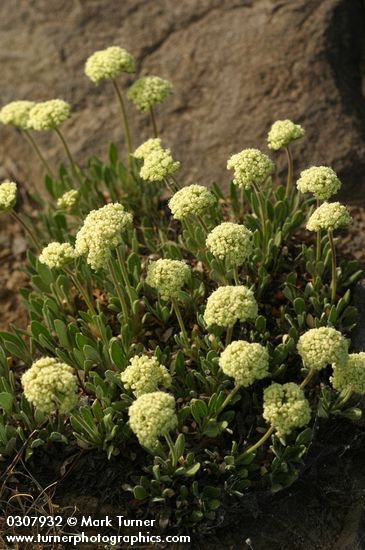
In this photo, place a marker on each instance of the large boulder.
(236, 65)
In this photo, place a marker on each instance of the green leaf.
(304, 437)
(188, 472)
(37, 443)
(57, 437)
(6, 401)
(61, 331)
(353, 413)
(113, 154)
(299, 305)
(180, 445)
(260, 324)
(199, 409)
(139, 492)
(210, 492)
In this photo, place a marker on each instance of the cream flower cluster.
(250, 166)
(158, 165)
(16, 113)
(351, 375)
(230, 241)
(56, 255)
(329, 216)
(151, 416)
(144, 375)
(319, 347)
(245, 362)
(68, 200)
(229, 304)
(157, 162)
(50, 385)
(7, 196)
(48, 115)
(321, 181)
(147, 147)
(282, 133)
(148, 91)
(101, 233)
(167, 277)
(109, 63)
(193, 199)
(285, 407)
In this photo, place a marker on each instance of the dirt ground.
(12, 277)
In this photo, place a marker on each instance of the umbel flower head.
(56, 255)
(48, 115)
(286, 408)
(351, 375)
(321, 181)
(7, 196)
(147, 147)
(68, 200)
(319, 347)
(158, 165)
(145, 375)
(282, 133)
(193, 199)
(230, 241)
(245, 362)
(101, 233)
(229, 304)
(250, 166)
(157, 162)
(149, 91)
(50, 385)
(151, 416)
(109, 63)
(167, 277)
(16, 113)
(329, 216)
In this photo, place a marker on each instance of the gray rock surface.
(237, 66)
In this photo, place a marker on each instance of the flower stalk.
(262, 213)
(229, 334)
(123, 269)
(37, 151)
(74, 167)
(318, 242)
(118, 289)
(290, 171)
(235, 276)
(334, 268)
(28, 230)
(153, 121)
(175, 305)
(228, 399)
(127, 134)
(83, 292)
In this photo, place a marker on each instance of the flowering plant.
(179, 329)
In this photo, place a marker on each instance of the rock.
(351, 537)
(237, 66)
(358, 335)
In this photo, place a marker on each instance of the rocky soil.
(237, 65)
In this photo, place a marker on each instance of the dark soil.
(323, 510)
